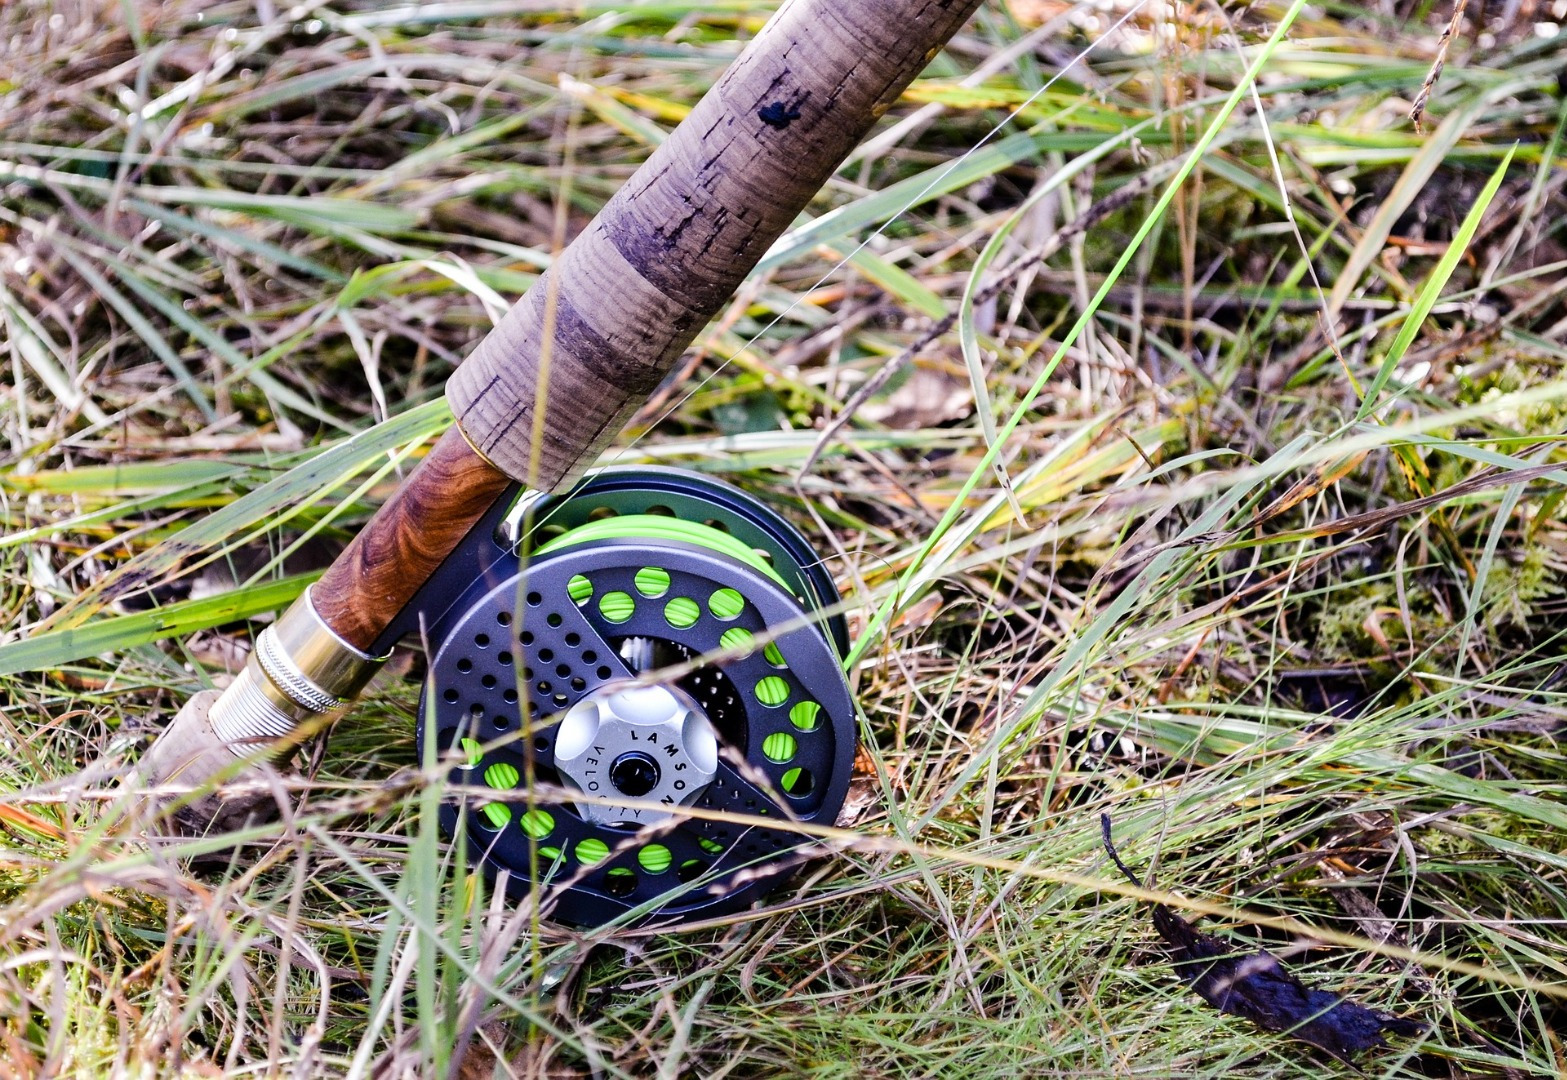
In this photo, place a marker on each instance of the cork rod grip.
(594, 337)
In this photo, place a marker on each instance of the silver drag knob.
(651, 744)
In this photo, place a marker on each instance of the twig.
(1418, 110)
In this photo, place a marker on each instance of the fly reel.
(603, 664)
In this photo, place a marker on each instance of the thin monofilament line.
(913, 201)
(621, 453)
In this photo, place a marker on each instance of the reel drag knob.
(650, 744)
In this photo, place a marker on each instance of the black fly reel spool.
(543, 629)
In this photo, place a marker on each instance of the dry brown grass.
(233, 235)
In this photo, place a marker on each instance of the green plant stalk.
(1432, 290)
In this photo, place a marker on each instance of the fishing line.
(913, 201)
(619, 454)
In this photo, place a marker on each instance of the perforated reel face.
(540, 677)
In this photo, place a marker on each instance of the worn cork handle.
(593, 337)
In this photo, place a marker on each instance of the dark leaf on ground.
(1257, 985)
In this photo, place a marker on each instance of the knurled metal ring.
(280, 668)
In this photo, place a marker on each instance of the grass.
(1274, 575)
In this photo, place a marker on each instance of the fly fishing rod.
(549, 606)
